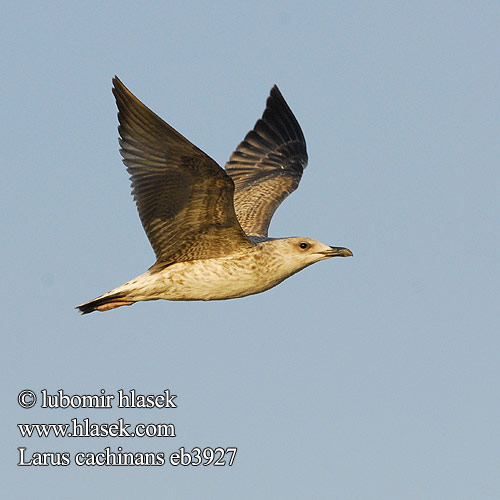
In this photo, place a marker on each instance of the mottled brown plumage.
(267, 165)
(210, 237)
(184, 199)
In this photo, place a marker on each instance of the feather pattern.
(184, 198)
(267, 165)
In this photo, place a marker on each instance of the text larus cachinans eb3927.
(208, 226)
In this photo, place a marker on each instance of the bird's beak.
(337, 252)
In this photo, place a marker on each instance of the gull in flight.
(208, 226)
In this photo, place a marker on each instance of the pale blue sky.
(375, 377)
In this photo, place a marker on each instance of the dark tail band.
(93, 305)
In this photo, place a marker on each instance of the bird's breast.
(221, 278)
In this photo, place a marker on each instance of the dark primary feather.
(184, 199)
(267, 166)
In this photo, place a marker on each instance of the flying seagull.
(208, 226)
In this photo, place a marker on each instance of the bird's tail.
(105, 303)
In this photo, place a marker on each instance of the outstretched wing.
(184, 199)
(267, 166)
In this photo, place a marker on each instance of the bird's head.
(301, 252)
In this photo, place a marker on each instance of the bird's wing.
(184, 199)
(267, 166)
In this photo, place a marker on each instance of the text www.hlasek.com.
(85, 428)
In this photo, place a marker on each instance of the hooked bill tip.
(340, 252)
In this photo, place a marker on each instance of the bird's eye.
(303, 245)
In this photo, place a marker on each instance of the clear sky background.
(374, 377)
